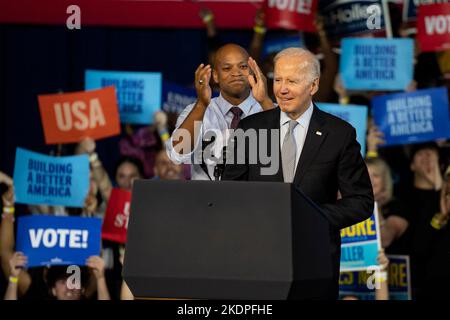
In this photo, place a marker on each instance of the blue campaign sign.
(354, 283)
(49, 240)
(138, 93)
(360, 244)
(42, 179)
(356, 115)
(276, 44)
(176, 97)
(345, 17)
(376, 63)
(399, 277)
(414, 117)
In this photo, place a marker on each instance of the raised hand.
(87, 145)
(258, 82)
(374, 138)
(4, 178)
(202, 78)
(97, 264)
(17, 262)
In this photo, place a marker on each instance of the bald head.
(231, 72)
(307, 60)
(229, 49)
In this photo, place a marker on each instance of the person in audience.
(393, 215)
(20, 280)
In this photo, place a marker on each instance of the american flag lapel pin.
(318, 133)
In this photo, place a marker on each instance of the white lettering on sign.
(299, 6)
(78, 115)
(62, 238)
(121, 220)
(437, 24)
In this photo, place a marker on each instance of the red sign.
(229, 14)
(291, 14)
(115, 223)
(70, 117)
(433, 23)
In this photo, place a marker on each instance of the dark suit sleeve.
(234, 169)
(357, 200)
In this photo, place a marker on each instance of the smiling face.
(292, 85)
(231, 72)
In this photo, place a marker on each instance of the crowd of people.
(411, 183)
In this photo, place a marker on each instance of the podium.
(226, 240)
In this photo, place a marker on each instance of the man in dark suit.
(318, 152)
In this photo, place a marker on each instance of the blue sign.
(356, 115)
(49, 240)
(176, 97)
(399, 277)
(360, 244)
(276, 44)
(138, 93)
(42, 179)
(344, 17)
(376, 64)
(355, 283)
(414, 117)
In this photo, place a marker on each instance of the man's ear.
(215, 76)
(314, 87)
(54, 291)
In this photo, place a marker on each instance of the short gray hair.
(311, 62)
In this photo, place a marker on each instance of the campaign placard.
(177, 97)
(347, 17)
(376, 64)
(356, 115)
(42, 179)
(138, 93)
(290, 14)
(399, 277)
(413, 117)
(50, 240)
(433, 27)
(356, 283)
(360, 244)
(70, 117)
(115, 223)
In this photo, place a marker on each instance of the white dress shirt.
(217, 117)
(300, 130)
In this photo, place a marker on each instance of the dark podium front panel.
(225, 240)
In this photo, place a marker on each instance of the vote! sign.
(138, 93)
(360, 244)
(356, 115)
(433, 26)
(49, 240)
(42, 179)
(70, 117)
(414, 117)
(291, 14)
(115, 223)
(376, 64)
